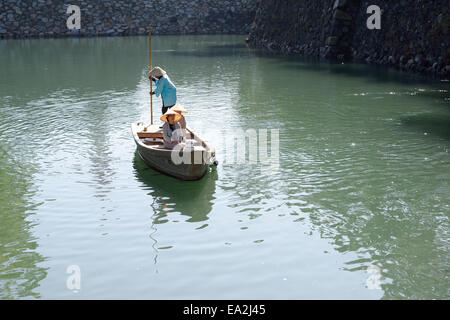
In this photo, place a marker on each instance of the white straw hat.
(178, 116)
(178, 108)
(157, 72)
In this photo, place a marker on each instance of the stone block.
(339, 3)
(332, 41)
(342, 15)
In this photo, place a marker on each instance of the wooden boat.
(151, 149)
(196, 156)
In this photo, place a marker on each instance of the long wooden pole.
(151, 82)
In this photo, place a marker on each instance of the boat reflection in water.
(193, 199)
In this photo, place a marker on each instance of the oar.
(151, 82)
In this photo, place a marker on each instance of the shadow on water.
(215, 51)
(353, 69)
(193, 199)
(228, 46)
(436, 91)
(209, 54)
(434, 124)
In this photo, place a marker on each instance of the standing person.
(164, 87)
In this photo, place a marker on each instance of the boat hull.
(160, 159)
(163, 163)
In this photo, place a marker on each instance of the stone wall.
(414, 34)
(47, 18)
(296, 26)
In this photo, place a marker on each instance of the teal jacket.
(167, 90)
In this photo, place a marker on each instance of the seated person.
(178, 108)
(173, 133)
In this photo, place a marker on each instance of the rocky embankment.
(414, 34)
(47, 18)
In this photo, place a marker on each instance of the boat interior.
(154, 137)
(151, 138)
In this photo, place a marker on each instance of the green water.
(363, 178)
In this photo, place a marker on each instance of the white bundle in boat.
(190, 145)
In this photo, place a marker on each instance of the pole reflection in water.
(193, 199)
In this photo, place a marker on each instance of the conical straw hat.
(156, 72)
(178, 108)
(178, 116)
